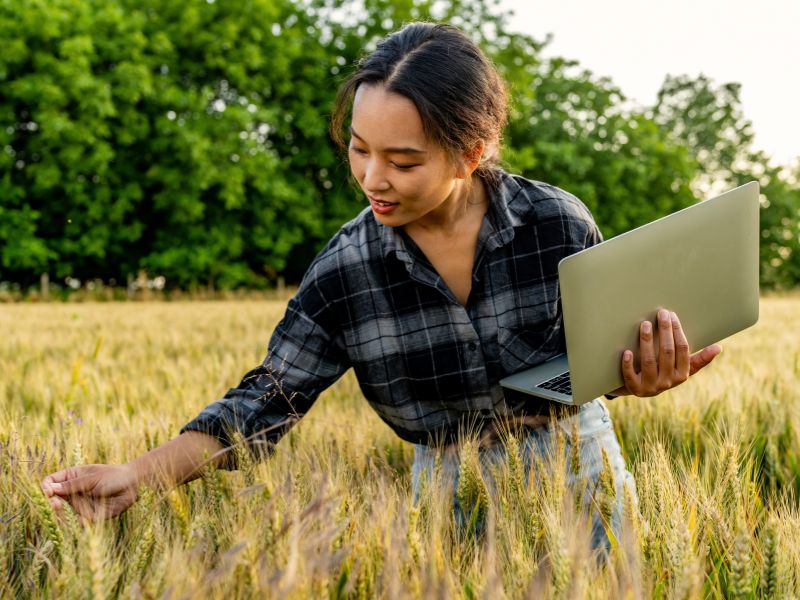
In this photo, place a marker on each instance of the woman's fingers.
(95, 492)
(674, 364)
(700, 359)
(82, 506)
(52, 483)
(71, 487)
(72, 480)
(666, 351)
(681, 350)
(647, 354)
(78, 485)
(629, 375)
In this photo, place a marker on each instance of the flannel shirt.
(371, 301)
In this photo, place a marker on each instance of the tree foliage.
(161, 136)
(190, 138)
(709, 121)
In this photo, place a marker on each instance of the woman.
(443, 286)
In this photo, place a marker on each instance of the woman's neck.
(463, 203)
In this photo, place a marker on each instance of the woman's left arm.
(672, 367)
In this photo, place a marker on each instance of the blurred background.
(183, 147)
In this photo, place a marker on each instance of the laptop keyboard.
(559, 383)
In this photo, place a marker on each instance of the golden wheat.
(331, 512)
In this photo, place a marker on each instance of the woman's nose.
(374, 177)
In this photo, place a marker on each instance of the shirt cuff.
(215, 428)
(212, 427)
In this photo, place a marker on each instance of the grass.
(331, 514)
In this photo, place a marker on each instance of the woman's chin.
(392, 219)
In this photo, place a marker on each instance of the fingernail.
(674, 317)
(627, 355)
(57, 487)
(662, 315)
(646, 326)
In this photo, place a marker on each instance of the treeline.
(188, 139)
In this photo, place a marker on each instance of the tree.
(190, 138)
(569, 128)
(709, 121)
(160, 136)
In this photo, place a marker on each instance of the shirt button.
(472, 346)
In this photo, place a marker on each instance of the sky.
(638, 42)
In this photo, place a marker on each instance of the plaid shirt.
(426, 364)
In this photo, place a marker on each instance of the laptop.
(700, 262)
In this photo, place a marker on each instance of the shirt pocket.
(531, 333)
(525, 347)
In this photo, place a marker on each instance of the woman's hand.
(673, 366)
(98, 492)
(95, 492)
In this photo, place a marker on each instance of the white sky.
(637, 42)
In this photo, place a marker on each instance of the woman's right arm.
(97, 492)
(304, 357)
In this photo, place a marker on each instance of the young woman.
(445, 284)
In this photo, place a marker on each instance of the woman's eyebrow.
(404, 150)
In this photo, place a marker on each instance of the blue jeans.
(596, 432)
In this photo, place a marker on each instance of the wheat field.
(716, 463)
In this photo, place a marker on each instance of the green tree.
(190, 138)
(570, 129)
(161, 136)
(709, 121)
(780, 225)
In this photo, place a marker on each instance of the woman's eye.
(358, 150)
(403, 167)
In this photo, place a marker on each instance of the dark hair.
(459, 94)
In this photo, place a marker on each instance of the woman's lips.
(382, 207)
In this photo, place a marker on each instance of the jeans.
(596, 432)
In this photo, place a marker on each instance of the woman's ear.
(471, 159)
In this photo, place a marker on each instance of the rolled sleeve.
(304, 357)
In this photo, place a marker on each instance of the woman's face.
(404, 175)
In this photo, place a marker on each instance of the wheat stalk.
(181, 513)
(607, 489)
(575, 450)
(741, 568)
(96, 562)
(45, 511)
(772, 572)
(471, 491)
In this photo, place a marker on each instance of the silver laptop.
(700, 262)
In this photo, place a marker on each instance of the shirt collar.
(392, 241)
(499, 216)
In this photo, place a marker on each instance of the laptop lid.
(701, 262)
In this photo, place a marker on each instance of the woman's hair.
(459, 94)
